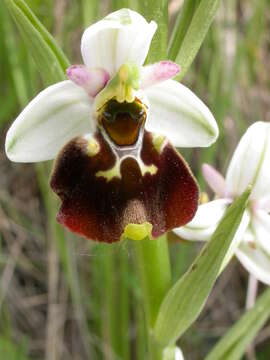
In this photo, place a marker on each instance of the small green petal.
(121, 87)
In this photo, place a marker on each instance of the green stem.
(90, 11)
(180, 28)
(107, 270)
(119, 4)
(123, 297)
(152, 257)
(140, 329)
(114, 268)
(158, 11)
(195, 33)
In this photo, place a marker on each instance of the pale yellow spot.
(92, 147)
(204, 198)
(137, 231)
(151, 169)
(114, 172)
(158, 142)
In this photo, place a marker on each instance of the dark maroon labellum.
(99, 209)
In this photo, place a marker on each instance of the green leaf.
(194, 34)
(181, 26)
(13, 53)
(119, 4)
(185, 300)
(157, 10)
(49, 58)
(234, 344)
(90, 11)
(153, 264)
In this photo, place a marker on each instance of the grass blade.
(185, 300)
(235, 342)
(195, 34)
(49, 58)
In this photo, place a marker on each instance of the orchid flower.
(111, 127)
(250, 164)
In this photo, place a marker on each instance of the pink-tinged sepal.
(158, 72)
(92, 80)
(99, 205)
(263, 203)
(214, 179)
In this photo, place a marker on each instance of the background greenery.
(62, 297)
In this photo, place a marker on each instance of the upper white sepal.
(121, 37)
(250, 163)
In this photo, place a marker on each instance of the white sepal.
(250, 163)
(205, 222)
(261, 228)
(172, 353)
(264, 203)
(121, 37)
(214, 179)
(255, 260)
(51, 119)
(238, 238)
(176, 112)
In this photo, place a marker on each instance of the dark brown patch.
(99, 209)
(123, 121)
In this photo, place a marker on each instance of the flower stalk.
(152, 258)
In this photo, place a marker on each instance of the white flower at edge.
(67, 109)
(250, 164)
(173, 353)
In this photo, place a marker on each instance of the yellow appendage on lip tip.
(137, 231)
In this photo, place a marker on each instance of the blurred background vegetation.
(62, 297)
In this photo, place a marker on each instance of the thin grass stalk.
(158, 11)
(90, 11)
(114, 269)
(13, 58)
(123, 303)
(181, 25)
(119, 4)
(141, 331)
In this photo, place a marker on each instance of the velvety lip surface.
(99, 209)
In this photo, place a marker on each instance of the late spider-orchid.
(110, 127)
(250, 164)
